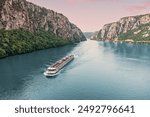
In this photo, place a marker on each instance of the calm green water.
(100, 70)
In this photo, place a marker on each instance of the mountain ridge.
(17, 14)
(113, 31)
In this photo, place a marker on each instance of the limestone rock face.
(15, 14)
(113, 30)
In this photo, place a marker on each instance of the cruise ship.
(56, 67)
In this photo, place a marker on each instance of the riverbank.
(126, 41)
(133, 41)
(19, 41)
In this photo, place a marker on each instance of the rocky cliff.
(127, 27)
(16, 14)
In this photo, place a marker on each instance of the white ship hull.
(50, 75)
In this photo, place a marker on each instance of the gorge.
(101, 70)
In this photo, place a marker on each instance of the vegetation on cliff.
(20, 41)
(138, 34)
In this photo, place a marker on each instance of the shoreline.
(144, 42)
(124, 41)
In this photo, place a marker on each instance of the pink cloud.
(139, 7)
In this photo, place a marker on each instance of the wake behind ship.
(56, 67)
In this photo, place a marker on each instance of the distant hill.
(88, 35)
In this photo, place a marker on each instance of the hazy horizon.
(91, 15)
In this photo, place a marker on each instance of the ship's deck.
(56, 65)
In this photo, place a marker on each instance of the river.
(100, 70)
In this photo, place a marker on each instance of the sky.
(91, 15)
